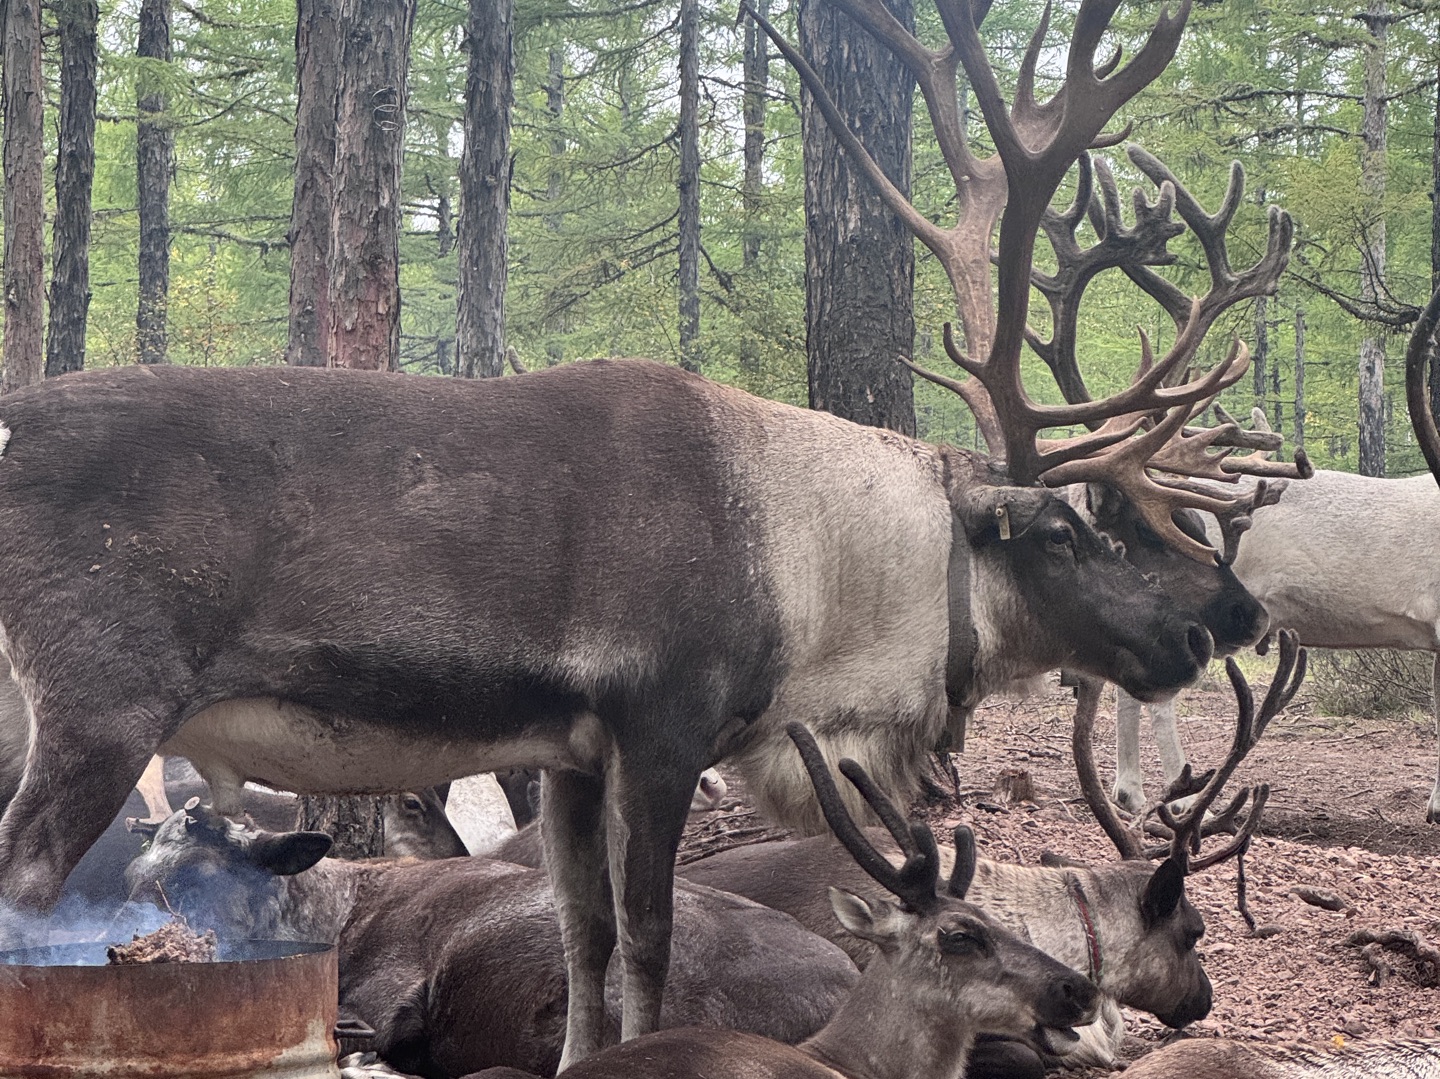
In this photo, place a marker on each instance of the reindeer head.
(1152, 960)
(218, 874)
(947, 958)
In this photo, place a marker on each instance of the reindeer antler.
(916, 881)
(1036, 145)
(1189, 827)
(1418, 355)
(1186, 826)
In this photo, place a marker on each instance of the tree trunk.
(485, 190)
(1261, 352)
(859, 258)
(555, 219)
(74, 179)
(1435, 233)
(317, 76)
(1435, 191)
(356, 823)
(1297, 437)
(1372, 266)
(364, 330)
(24, 210)
(757, 83)
(154, 165)
(690, 184)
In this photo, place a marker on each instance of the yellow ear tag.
(1002, 515)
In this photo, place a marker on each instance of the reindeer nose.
(1078, 996)
(1197, 637)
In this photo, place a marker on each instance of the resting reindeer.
(484, 983)
(1128, 926)
(943, 972)
(1205, 1058)
(334, 581)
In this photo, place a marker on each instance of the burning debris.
(173, 942)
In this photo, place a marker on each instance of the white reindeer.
(1346, 562)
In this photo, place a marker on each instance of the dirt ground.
(1346, 815)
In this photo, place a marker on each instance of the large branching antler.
(1036, 144)
(1197, 453)
(1249, 726)
(916, 882)
(1188, 827)
(1419, 356)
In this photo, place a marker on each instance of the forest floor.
(1346, 816)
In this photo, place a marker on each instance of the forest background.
(1332, 110)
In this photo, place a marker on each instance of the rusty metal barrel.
(266, 1008)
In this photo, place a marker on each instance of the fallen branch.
(1403, 942)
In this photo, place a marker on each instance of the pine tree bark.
(757, 84)
(355, 823)
(859, 258)
(1372, 266)
(689, 184)
(1435, 233)
(24, 202)
(317, 71)
(154, 166)
(555, 218)
(364, 274)
(74, 181)
(485, 190)
(1297, 437)
(1260, 354)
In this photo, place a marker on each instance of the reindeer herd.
(621, 574)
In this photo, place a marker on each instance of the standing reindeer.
(619, 572)
(1155, 532)
(1342, 562)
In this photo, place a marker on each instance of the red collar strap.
(1092, 941)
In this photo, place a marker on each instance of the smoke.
(76, 920)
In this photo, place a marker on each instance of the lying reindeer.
(1204, 1058)
(943, 972)
(484, 984)
(1127, 926)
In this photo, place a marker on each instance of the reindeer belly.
(294, 748)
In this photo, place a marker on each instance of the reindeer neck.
(1054, 909)
(888, 1030)
(317, 904)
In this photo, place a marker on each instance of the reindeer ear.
(863, 918)
(1163, 892)
(288, 853)
(964, 871)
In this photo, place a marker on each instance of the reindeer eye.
(412, 803)
(1061, 536)
(958, 942)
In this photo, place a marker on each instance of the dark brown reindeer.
(333, 582)
(1128, 926)
(483, 983)
(943, 971)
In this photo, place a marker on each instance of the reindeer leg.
(572, 831)
(152, 789)
(647, 800)
(1129, 791)
(1432, 811)
(79, 771)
